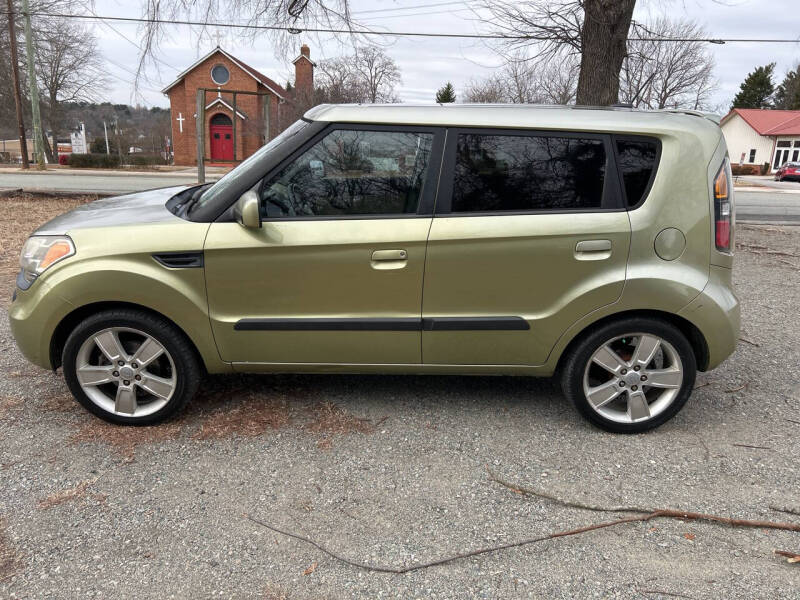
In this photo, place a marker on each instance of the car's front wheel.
(130, 367)
(630, 376)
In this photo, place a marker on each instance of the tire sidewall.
(572, 380)
(185, 368)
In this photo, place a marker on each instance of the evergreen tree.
(757, 89)
(787, 96)
(446, 94)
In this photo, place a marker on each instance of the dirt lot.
(393, 471)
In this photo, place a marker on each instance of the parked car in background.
(789, 171)
(595, 244)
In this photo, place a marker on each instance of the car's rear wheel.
(630, 376)
(130, 367)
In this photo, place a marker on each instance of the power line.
(294, 30)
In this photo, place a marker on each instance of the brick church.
(260, 115)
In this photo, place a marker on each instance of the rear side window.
(637, 162)
(495, 173)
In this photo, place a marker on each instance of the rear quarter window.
(637, 160)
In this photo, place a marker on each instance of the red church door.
(221, 132)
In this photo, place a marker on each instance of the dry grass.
(20, 214)
(79, 492)
(10, 560)
(124, 440)
(251, 417)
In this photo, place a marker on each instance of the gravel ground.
(392, 471)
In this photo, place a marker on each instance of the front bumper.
(715, 312)
(34, 315)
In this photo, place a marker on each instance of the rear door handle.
(389, 255)
(593, 249)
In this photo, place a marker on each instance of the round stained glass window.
(220, 74)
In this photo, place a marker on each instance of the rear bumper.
(715, 312)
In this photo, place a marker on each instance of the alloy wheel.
(126, 372)
(633, 378)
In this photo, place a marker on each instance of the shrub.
(94, 161)
(63, 159)
(144, 160)
(746, 169)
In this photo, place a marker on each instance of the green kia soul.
(595, 244)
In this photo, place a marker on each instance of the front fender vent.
(180, 260)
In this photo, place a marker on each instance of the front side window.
(637, 161)
(351, 172)
(496, 173)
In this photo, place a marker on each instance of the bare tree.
(526, 82)
(668, 75)
(69, 69)
(369, 75)
(377, 73)
(596, 30)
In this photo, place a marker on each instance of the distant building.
(756, 136)
(258, 118)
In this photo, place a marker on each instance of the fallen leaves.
(255, 415)
(10, 560)
(310, 569)
(79, 492)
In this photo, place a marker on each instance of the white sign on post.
(78, 140)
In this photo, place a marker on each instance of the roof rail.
(713, 117)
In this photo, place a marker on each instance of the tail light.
(723, 208)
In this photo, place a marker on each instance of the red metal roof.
(769, 122)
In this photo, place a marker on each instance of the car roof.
(521, 116)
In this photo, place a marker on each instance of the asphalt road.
(392, 471)
(103, 184)
(768, 207)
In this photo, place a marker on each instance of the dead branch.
(791, 557)
(746, 341)
(755, 447)
(650, 512)
(454, 557)
(793, 421)
(702, 385)
(788, 511)
(738, 389)
(662, 593)
(642, 515)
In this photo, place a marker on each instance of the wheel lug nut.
(138, 378)
(126, 382)
(624, 371)
(634, 387)
(115, 373)
(621, 384)
(135, 366)
(121, 363)
(636, 368)
(644, 377)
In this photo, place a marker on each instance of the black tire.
(575, 364)
(188, 370)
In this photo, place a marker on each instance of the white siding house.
(757, 136)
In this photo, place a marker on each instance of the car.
(595, 245)
(789, 171)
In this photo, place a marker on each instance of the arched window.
(221, 119)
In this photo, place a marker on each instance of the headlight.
(41, 252)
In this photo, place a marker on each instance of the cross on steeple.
(218, 35)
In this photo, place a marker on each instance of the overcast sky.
(427, 63)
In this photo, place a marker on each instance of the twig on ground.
(790, 556)
(705, 446)
(746, 341)
(793, 421)
(754, 447)
(738, 389)
(642, 515)
(788, 262)
(702, 385)
(787, 510)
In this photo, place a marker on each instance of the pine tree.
(757, 89)
(446, 94)
(787, 96)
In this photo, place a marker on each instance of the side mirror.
(246, 210)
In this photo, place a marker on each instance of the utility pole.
(105, 131)
(38, 150)
(12, 35)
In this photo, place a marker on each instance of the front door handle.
(593, 249)
(389, 255)
(389, 259)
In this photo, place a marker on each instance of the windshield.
(229, 178)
